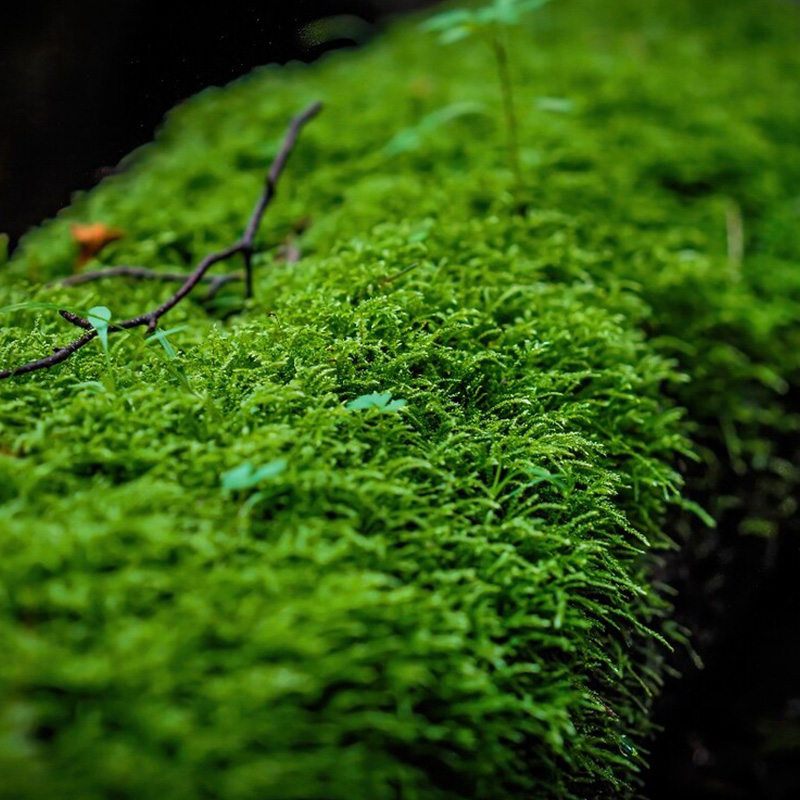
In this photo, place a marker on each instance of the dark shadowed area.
(84, 83)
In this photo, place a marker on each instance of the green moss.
(446, 597)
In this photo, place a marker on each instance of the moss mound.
(241, 569)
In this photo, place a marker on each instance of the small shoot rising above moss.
(492, 22)
(382, 401)
(246, 476)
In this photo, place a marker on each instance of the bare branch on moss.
(244, 245)
(214, 282)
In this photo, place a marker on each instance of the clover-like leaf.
(509, 12)
(246, 476)
(448, 19)
(453, 26)
(379, 400)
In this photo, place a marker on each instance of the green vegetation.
(387, 532)
(492, 21)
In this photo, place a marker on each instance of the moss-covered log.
(234, 567)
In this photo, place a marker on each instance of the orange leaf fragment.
(91, 239)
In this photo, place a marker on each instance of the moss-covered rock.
(222, 578)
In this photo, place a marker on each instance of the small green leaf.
(369, 401)
(447, 20)
(456, 34)
(161, 337)
(453, 26)
(404, 142)
(246, 476)
(383, 401)
(100, 316)
(509, 12)
(238, 478)
(697, 510)
(271, 470)
(412, 138)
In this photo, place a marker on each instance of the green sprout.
(99, 317)
(492, 22)
(246, 476)
(172, 363)
(382, 401)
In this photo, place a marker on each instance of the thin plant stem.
(500, 50)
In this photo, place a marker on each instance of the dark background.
(84, 83)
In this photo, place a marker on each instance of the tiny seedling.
(173, 366)
(238, 480)
(244, 245)
(492, 22)
(162, 338)
(246, 476)
(99, 317)
(382, 401)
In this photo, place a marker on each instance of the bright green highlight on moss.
(376, 400)
(218, 580)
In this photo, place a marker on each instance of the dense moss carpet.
(221, 577)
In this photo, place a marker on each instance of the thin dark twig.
(244, 245)
(270, 186)
(217, 282)
(145, 274)
(400, 274)
(79, 322)
(500, 49)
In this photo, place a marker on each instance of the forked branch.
(244, 245)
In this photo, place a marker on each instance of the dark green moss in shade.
(222, 578)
